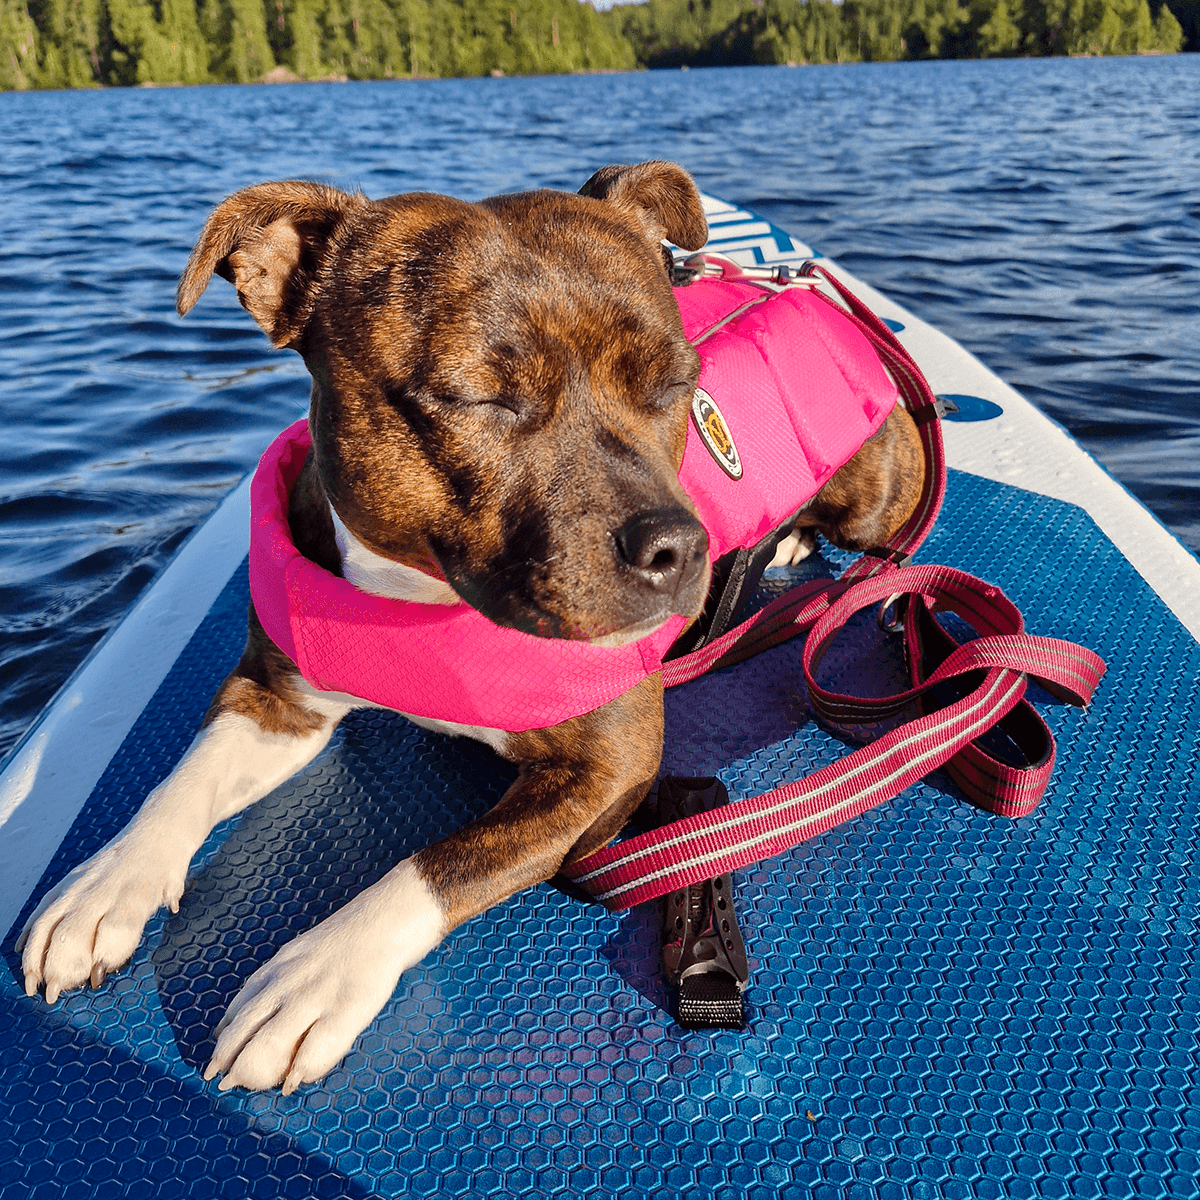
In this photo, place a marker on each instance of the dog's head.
(500, 390)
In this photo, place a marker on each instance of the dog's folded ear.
(661, 197)
(268, 240)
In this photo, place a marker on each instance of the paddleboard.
(943, 1002)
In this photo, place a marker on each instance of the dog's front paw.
(91, 921)
(297, 1016)
(794, 548)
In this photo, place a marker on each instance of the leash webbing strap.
(988, 782)
(697, 848)
(922, 406)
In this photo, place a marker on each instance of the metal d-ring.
(895, 623)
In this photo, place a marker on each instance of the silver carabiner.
(708, 265)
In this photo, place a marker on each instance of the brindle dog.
(499, 409)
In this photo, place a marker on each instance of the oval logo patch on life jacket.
(712, 428)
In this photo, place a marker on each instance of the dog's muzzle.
(663, 552)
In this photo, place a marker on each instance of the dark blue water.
(1045, 213)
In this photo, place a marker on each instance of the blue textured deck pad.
(944, 1004)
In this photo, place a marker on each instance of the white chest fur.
(371, 572)
(379, 576)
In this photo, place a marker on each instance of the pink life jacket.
(789, 390)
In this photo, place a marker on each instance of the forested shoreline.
(89, 43)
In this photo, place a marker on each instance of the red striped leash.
(716, 842)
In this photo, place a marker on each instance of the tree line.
(85, 43)
(81, 43)
(674, 33)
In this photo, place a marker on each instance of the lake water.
(1046, 213)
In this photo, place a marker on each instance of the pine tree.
(933, 28)
(999, 35)
(236, 32)
(19, 67)
(70, 42)
(166, 47)
(1168, 33)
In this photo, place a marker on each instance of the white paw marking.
(297, 1016)
(91, 921)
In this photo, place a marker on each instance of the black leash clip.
(702, 949)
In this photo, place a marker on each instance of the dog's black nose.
(663, 547)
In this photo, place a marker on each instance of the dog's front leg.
(299, 1013)
(258, 732)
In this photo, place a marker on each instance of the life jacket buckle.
(702, 949)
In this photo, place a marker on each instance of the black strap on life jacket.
(735, 578)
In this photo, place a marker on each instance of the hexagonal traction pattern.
(945, 1004)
